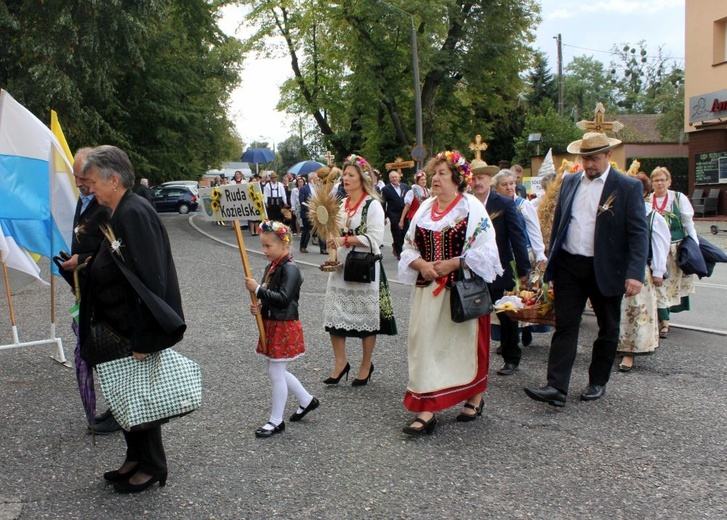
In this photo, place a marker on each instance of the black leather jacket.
(280, 298)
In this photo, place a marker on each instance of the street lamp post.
(415, 73)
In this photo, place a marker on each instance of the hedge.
(677, 166)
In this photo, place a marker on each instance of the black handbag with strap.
(360, 266)
(104, 344)
(469, 297)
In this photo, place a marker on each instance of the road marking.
(234, 246)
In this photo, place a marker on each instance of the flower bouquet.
(533, 303)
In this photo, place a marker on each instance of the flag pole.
(248, 274)
(10, 303)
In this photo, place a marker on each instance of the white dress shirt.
(582, 228)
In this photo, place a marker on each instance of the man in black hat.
(598, 250)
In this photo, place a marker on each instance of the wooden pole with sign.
(248, 274)
(398, 164)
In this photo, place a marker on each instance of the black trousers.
(575, 283)
(511, 351)
(397, 234)
(146, 448)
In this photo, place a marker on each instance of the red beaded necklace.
(352, 211)
(661, 208)
(439, 215)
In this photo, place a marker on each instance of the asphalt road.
(653, 447)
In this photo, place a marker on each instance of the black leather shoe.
(128, 487)
(101, 418)
(546, 394)
(117, 476)
(507, 369)
(426, 428)
(593, 392)
(264, 432)
(498, 350)
(527, 338)
(106, 427)
(311, 406)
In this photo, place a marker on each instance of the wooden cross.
(398, 164)
(329, 158)
(478, 146)
(598, 124)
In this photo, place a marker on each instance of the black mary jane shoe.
(297, 416)
(466, 417)
(128, 487)
(426, 428)
(117, 476)
(263, 432)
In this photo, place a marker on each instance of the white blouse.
(660, 242)
(532, 225)
(685, 209)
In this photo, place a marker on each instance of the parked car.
(192, 185)
(174, 198)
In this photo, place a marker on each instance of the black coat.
(136, 291)
(621, 242)
(392, 202)
(280, 298)
(87, 234)
(512, 242)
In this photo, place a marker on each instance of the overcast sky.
(587, 28)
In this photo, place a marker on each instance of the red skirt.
(284, 339)
(449, 397)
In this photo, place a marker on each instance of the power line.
(612, 52)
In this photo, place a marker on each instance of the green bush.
(677, 166)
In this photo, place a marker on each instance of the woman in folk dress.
(358, 310)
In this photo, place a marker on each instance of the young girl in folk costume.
(278, 295)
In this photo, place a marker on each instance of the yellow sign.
(233, 202)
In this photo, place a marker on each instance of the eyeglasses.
(659, 180)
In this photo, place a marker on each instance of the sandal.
(664, 331)
(466, 417)
(426, 428)
(626, 368)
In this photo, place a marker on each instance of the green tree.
(556, 132)
(351, 68)
(585, 84)
(151, 77)
(541, 84)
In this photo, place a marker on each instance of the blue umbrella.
(257, 155)
(305, 167)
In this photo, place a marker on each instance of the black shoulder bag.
(469, 297)
(360, 266)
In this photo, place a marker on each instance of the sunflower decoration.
(258, 200)
(325, 218)
(215, 199)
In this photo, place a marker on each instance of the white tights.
(280, 382)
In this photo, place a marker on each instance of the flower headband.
(459, 162)
(420, 174)
(361, 162)
(280, 229)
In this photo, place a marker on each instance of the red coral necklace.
(439, 215)
(352, 211)
(661, 208)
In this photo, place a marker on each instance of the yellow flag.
(55, 127)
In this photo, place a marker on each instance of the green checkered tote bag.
(142, 394)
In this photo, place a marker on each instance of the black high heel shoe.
(465, 417)
(363, 382)
(128, 487)
(426, 428)
(116, 476)
(335, 380)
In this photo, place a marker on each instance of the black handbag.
(469, 297)
(360, 266)
(104, 344)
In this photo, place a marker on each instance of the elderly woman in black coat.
(132, 266)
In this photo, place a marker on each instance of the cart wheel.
(714, 229)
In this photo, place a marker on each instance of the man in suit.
(512, 244)
(392, 196)
(143, 190)
(519, 187)
(306, 192)
(86, 239)
(598, 251)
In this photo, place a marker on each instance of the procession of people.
(612, 244)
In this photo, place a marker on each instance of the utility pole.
(559, 41)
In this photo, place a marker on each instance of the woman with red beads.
(352, 309)
(448, 361)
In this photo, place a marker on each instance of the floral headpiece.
(363, 163)
(280, 229)
(459, 162)
(420, 174)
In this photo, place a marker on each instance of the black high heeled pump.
(117, 476)
(426, 428)
(128, 487)
(335, 380)
(363, 382)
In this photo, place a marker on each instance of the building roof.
(637, 127)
